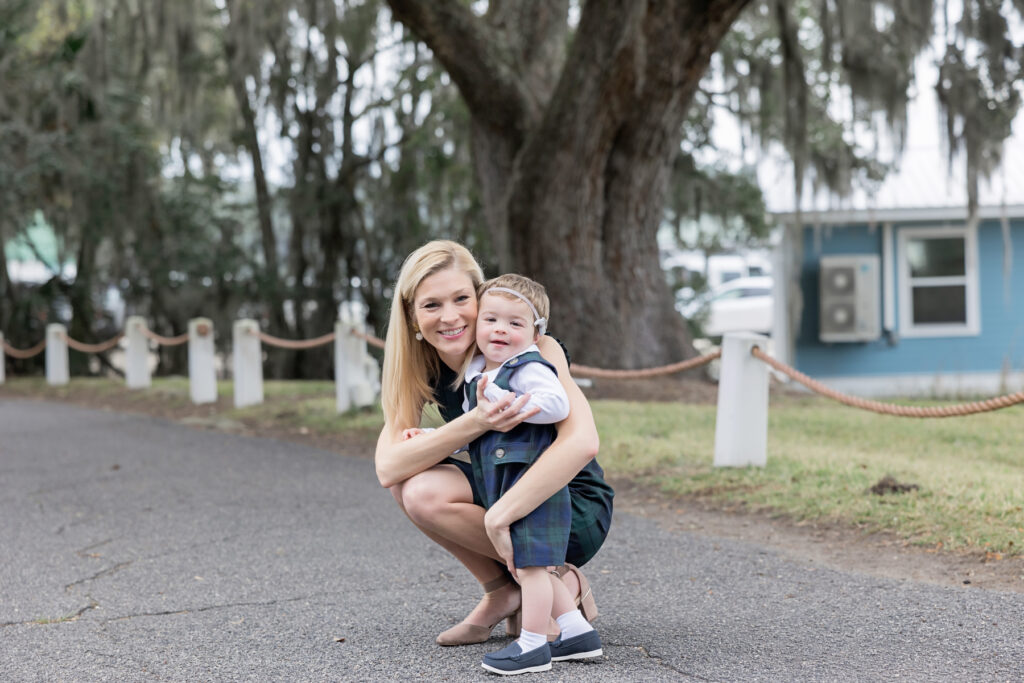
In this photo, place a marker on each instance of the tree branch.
(470, 51)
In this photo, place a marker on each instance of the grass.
(822, 456)
(822, 459)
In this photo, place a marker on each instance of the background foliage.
(273, 159)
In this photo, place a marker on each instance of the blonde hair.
(409, 364)
(531, 289)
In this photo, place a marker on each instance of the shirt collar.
(476, 366)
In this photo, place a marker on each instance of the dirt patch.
(888, 484)
(843, 548)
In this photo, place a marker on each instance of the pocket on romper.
(502, 467)
(518, 453)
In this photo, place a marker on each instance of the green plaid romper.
(499, 458)
(590, 495)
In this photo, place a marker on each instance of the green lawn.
(822, 456)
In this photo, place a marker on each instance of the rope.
(369, 339)
(587, 371)
(164, 341)
(888, 408)
(293, 344)
(93, 348)
(22, 354)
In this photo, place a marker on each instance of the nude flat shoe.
(471, 634)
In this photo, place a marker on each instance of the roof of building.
(925, 185)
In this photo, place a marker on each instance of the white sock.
(573, 624)
(531, 641)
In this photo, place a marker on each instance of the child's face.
(504, 327)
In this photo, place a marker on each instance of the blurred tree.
(274, 159)
(577, 127)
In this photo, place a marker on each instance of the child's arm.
(546, 393)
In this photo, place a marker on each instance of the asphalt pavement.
(137, 549)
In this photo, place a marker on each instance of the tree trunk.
(591, 146)
(272, 290)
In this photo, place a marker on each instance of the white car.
(740, 305)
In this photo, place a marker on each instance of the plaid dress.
(499, 459)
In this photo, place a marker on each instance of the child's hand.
(501, 415)
(411, 432)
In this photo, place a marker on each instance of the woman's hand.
(501, 539)
(501, 415)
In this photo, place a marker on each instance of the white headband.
(541, 323)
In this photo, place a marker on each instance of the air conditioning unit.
(850, 294)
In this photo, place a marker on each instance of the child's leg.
(530, 652)
(563, 609)
(561, 599)
(537, 598)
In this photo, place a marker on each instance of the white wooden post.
(342, 376)
(363, 392)
(202, 375)
(356, 382)
(3, 360)
(741, 426)
(247, 364)
(136, 361)
(372, 374)
(57, 355)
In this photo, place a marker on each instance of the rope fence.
(958, 410)
(681, 366)
(296, 344)
(742, 386)
(368, 338)
(163, 341)
(93, 348)
(24, 354)
(794, 374)
(604, 373)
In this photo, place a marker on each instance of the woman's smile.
(445, 309)
(452, 333)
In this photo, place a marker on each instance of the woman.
(430, 334)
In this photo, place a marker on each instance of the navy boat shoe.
(583, 646)
(511, 660)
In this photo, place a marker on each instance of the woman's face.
(444, 307)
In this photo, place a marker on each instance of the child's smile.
(504, 328)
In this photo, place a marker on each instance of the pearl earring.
(419, 336)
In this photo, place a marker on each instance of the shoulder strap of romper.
(511, 367)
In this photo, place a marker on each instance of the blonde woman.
(430, 336)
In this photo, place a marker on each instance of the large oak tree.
(576, 128)
(574, 143)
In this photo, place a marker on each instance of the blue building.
(903, 294)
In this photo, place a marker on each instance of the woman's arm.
(576, 445)
(397, 460)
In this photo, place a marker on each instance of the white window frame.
(972, 327)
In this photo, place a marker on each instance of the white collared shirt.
(536, 379)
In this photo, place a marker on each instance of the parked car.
(740, 305)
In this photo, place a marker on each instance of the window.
(938, 293)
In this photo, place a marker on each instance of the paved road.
(133, 548)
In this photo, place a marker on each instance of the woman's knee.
(426, 498)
